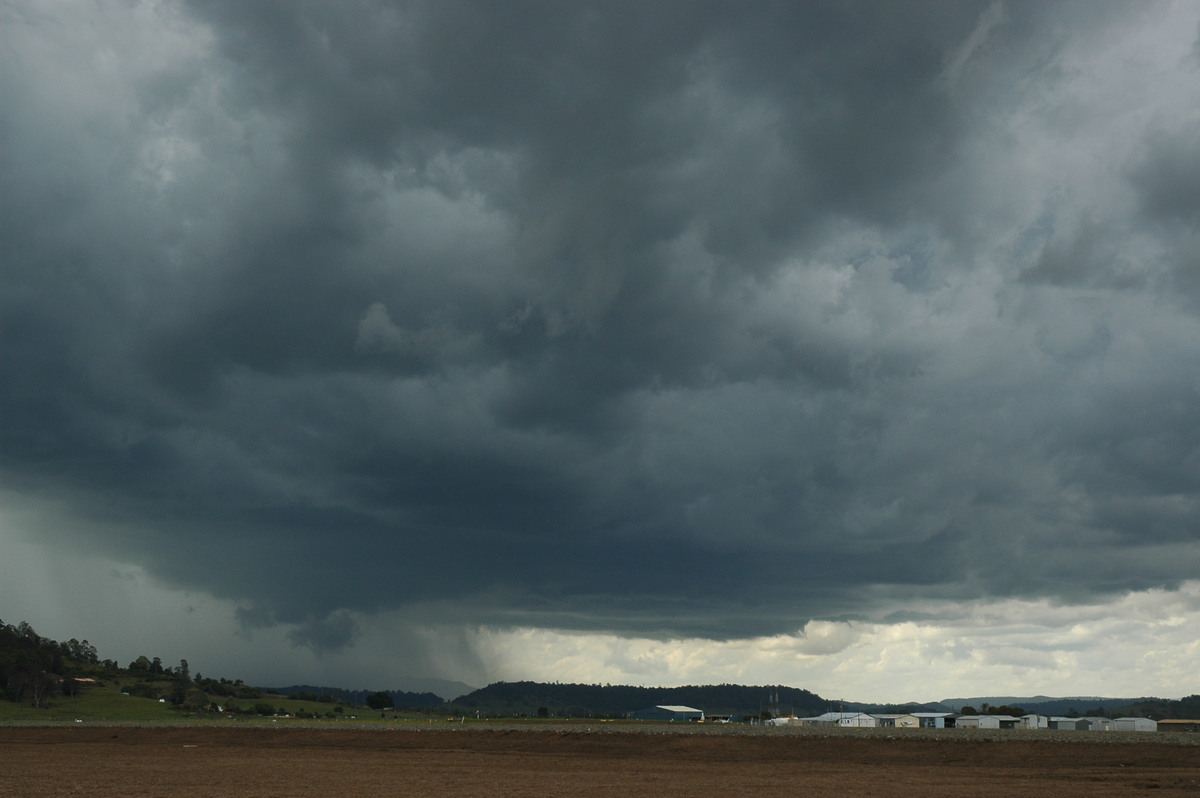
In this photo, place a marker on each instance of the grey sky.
(668, 319)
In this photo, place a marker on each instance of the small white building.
(1035, 722)
(1135, 724)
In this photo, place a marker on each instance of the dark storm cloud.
(669, 317)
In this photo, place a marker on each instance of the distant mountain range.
(414, 693)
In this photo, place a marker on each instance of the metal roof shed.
(670, 712)
(897, 721)
(1091, 723)
(857, 719)
(1062, 722)
(935, 720)
(985, 722)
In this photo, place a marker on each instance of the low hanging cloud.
(683, 321)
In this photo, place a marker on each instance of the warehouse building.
(669, 712)
(1135, 724)
(935, 720)
(844, 719)
(897, 721)
(1094, 724)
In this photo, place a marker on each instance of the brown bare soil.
(214, 761)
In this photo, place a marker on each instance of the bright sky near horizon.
(853, 346)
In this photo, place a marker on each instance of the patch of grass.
(101, 703)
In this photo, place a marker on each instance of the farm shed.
(1034, 722)
(935, 720)
(987, 722)
(897, 721)
(1135, 724)
(669, 712)
(1094, 724)
(1060, 722)
(855, 719)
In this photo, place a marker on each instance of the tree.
(183, 684)
(38, 686)
(380, 700)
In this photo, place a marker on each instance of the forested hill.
(532, 699)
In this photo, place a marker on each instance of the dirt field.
(214, 761)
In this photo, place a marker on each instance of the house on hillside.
(669, 712)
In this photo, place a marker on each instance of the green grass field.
(95, 704)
